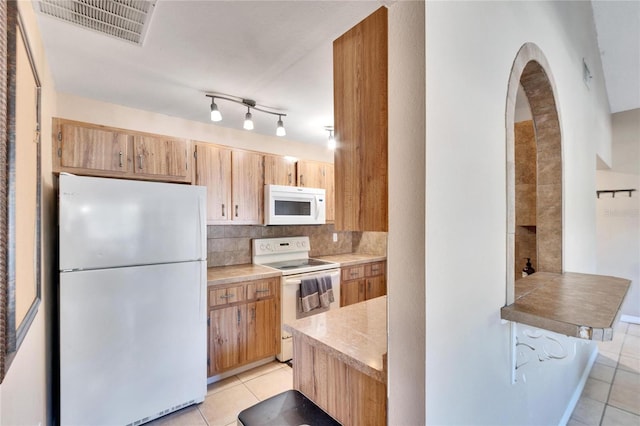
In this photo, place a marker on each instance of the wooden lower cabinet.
(362, 282)
(226, 337)
(244, 324)
(261, 339)
(348, 395)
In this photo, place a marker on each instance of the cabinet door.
(213, 170)
(360, 112)
(227, 328)
(261, 329)
(279, 171)
(310, 174)
(93, 149)
(352, 292)
(161, 157)
(376, 287)
(247, 187)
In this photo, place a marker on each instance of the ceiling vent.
(124, 19)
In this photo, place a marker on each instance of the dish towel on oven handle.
(316, 293)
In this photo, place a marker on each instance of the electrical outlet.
(335, 237)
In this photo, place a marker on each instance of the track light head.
(280, 131)
(248, 122)
(332, 140)
(215, 114)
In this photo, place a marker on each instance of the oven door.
(290, 306)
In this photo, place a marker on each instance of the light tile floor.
(226, 398)
(611, 395)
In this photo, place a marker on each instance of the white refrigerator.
(132, 299)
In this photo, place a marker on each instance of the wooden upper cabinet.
(213, 170)
(234, 181)
(279, 171)
(161, 157)
(94, 150)
(90, 149)
(361, 123)
(247, 187)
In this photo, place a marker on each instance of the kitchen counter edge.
(220, 275)
(352, 259)
(346, 333)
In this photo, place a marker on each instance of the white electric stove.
(290, 255)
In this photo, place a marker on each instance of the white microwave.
(294, 205)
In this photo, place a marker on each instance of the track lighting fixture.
(248, 118)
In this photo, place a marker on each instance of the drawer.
(261, 289)
(352, 273)
(225, 296)
(373, 269)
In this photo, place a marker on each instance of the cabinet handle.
(253, 314)
(227, 296)
(120, 155)
(354, 273)
(140, 158)
(238, 316)
(263, 291)
(236, 210)
(301, 180)
(223, 210)
(289, 178)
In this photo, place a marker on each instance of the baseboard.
(630, 318)
(579, 388)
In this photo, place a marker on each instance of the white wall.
(470, 48)
(406, 214)
(25, 397)
(88, 110)
(618, 219)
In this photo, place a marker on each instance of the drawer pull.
(263, 291)
(227, 296)
(354, 273)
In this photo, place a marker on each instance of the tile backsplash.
(231, 244)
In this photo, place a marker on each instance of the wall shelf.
(576, 305)
(613, 192)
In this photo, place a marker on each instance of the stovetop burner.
(289, 265)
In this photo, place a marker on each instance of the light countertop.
(351, 259)
(354, 334)
(220, 275)
(577, 305)
(237, 273)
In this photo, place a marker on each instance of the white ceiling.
(618, 29)
(278, 53)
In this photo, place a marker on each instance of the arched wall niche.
(531, 71)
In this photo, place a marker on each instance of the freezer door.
(132, 342)
(114, 222)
